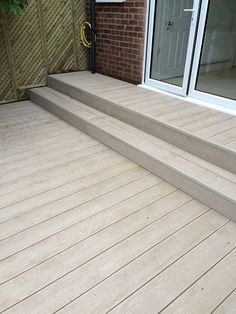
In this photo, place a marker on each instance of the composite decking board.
(68, 158)
(28, 157)
(35, 218)
(95, 237)
(57, 176)
(71, 150)
(81, 107)
(31, 201)
(141, 269)
(38, 163)
(31, 148)
(217, 128)
(178, 161)
(163, 288)
(228, 305)
(225, 137)
(127, 92)
(208, 121)
(188, 156)
(116, 220)
(76, 255)
(199, 116)
(77, 198)
(53, 222)
(84, 277)
(232, 145)
(208, 292)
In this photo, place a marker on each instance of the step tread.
(212, 177)
(121, 97)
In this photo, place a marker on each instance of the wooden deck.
(208, 124)
(84, 230)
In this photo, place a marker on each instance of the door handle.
(188, 10)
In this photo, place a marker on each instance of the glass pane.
(217, 70)
(170, 40)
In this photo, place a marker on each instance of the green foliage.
(12, 7)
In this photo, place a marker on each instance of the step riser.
(212, 153)
(180, 180)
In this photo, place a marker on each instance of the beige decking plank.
(87, 275)
(209, 291)
(177, 161)
(37, 133)
(8, 107)
(71, 238)
(224, 137)
(72, 199)
(189, 119)
(39, 214)
(166, 107)
(68, 151)
(101, 231)
(232, 145)
(183, 113)
(16, 122)
(166, 286)
(204, 164)
(144, 267)
(8, 151)
(62, 174)
(42, 199)
(228, 305)
(71, 150)
(20, 108)
(67, 204)
(216, 128)
(41, 165)
(41, 151)
(217, 117)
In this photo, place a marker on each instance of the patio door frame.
(193, 75)
(182, 91)
(193, 57)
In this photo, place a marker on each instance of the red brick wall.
(120, 39)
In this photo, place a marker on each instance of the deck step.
(208, 183)
(110, 98)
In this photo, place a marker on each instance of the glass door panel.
(216, 72)
(172, 22)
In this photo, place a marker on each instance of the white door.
(172, 28)
(191, 49)
(169, 53)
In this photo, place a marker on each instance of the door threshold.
(191, 100)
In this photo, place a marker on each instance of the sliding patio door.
(172, 25)
(191, 49)
(213, 76)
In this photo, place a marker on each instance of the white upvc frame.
(191, 68)
(148, 53)
(204, 96)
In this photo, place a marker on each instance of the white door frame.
(149, 41)
(192, 61)
(218, 100)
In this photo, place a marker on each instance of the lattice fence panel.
(6, 88)
(58, 23)
(26, 45)
(46, 39)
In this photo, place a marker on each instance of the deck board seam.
(172, 263)
(52, 217)
(207, 271)
(144, 252)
